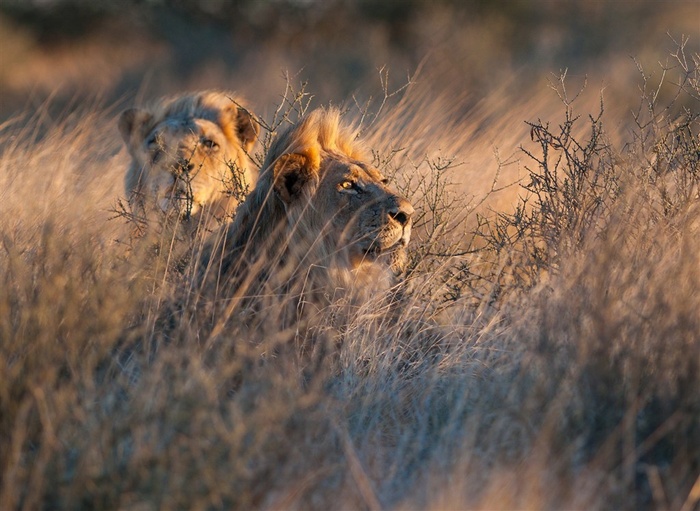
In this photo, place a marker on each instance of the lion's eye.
(349, 186)
(385, 181)
(155, 147)
(209, 144)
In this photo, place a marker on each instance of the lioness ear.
(132, 121)
(239, 125)
(292, 172)
(247, 128)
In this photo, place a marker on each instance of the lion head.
(188, 153)
(320, 215)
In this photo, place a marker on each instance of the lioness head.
(189, 152)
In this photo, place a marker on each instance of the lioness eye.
(154, 147)
(347, 185)
(385, 181)
(209, 144)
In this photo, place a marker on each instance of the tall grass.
(542, 352)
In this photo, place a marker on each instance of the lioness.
(189, 153)
(320, 222)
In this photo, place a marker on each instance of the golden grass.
(573, 384)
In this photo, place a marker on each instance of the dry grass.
(546, 356)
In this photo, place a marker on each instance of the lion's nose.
(402, 212)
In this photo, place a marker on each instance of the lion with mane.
(320, 224)
(189, 155)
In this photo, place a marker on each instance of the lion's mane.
(282, 245)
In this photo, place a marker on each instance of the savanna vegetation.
(540, 351)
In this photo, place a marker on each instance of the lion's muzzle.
(402, 214)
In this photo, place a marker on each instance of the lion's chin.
(393, 256)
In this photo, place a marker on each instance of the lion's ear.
(292, 172)
(247, 128)
(239, 125)
(133, 121)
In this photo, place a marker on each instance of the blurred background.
(125, 51)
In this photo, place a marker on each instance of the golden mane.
(320, 131)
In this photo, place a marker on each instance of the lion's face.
(185, 161)
(350, 201)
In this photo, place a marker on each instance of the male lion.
(189, 153)
(320, 223)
